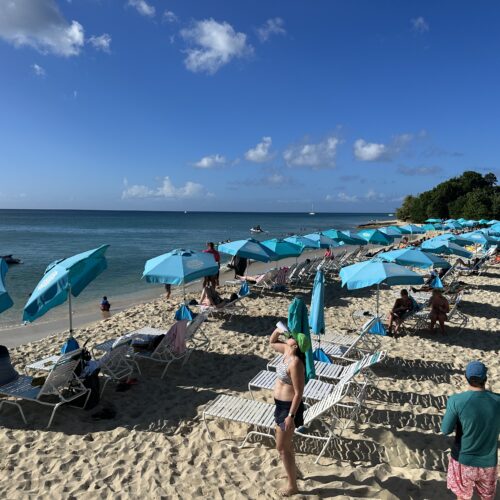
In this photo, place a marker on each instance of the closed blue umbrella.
(372, 272)
(321, 240)
(413, 229)
(413, 257)
(317, 316)
(62, 279)
(341, 237)
(283, 249)
(375, 236)
(457, 239)
(435, 245)
(179, 267)
(249, 249)
(301, 241)
(5, 300)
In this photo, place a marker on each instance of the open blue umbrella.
(493, 221)
(375, 236)
(321, 240)
(62, 279)
(435, 245)
(301, 241)
(341, 237)
(391, 231)
(453, 225)
(431, 227)
(353, 236)
(479, 237)
(483, 221)
(495, 227)
(457, 239)
(372, 272)
(249, 249)
(413, 229)
(433, 220)
(283, 249)
(413, 257)
(5, 300)
(179, 267)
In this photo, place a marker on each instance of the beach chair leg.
(165, 369)
(13, 403)
(106, 380)
(325, 446)
(54, 412)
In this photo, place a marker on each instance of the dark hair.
(4, 352)
(105, 298)
(477, 382)
(210, 244)
(404, 291)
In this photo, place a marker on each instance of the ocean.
(38, 237)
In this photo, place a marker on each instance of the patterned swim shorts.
(463, 479)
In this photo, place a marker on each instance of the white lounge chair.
(61, 383)
(261, 415)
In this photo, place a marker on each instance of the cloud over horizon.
(210, 161)
(313, 155)
(144, 8)
(260, 153)
(165, 190)
(274, 26)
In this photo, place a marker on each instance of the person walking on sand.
(288, 390)
(214, 280)
(474, 415)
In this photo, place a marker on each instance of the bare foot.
(299, 475)
(288, 492)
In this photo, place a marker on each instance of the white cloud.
(165, 190)
(369, 151)
(342, 197)
(38, 70)
(212, 45)
(169, 16)
(40, 24)
(142, 7)
(101, 42)
(260, 153)
(320, 155)
(210, 161)
(273, 26)
(419, 24)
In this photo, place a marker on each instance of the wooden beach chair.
(261, 416)
(60, 387)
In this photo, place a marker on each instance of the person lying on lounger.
(401, 308)
(460, 264)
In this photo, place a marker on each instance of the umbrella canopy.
(321, 240)
(375, 236)
(413, 229)
(431, 227)
(492, 222)
(495, 227)
(179, 267)
(301, 241)
(250, 249)
(298, 323)
(435, 245)
(433, 220)
(341, 237)
(414, 258)
(371, 272)
(64, 278)
(283, 249)
(353, 236)
(5, 300)
(317, 317)
(453, 224)
(483, 221)
(391, 231)
(457, 239)
(479, 237)
(469, 223)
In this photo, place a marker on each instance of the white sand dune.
(157, 447)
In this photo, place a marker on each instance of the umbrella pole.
(70, 313)
(378, 292)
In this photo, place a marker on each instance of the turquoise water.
(39, 237)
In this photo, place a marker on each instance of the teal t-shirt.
(475, 418)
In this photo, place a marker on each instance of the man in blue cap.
(474, 415)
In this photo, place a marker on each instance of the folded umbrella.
(5, 300)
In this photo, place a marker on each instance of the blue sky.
(223, 105)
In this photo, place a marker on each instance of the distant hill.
(471, 196)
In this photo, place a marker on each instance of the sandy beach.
(157, 447)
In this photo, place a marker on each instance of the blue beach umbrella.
(317, 316)
(283, 249)
(493, 221)
(249, 249)
(298, 323)
(179, 267)
(413, 257)
(341, 237)
(433, 220)
(301, 241)
(447, 247)
(5, 300)
(65, 278)
(483, 221)
(457, 239)
(375, 236)
(479, 237)
(495, 227)
(431, 227)
(321, 240)
(372, 272)
(453, 225)
(353, 236)
(413, 229)
(391, 231)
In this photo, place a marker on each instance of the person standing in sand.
(474, 415)
(289, 411)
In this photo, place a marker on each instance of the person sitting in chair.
(401, 308)
(211, 298)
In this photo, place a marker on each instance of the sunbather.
(461, 265)
(210, 298)
(401, 308)
(289, 412)
(440, 307)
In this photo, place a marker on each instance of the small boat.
(312, 212)
(390, 215)
(11, 260)
(256, 229)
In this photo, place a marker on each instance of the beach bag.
(320, 355)
(244, 289)
(378, 328)
(183, 313)
(437, 283)
(70, 345)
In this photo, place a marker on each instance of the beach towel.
(183, 313)
(299, 323)
(176, 336)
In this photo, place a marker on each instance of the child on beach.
(105, 305)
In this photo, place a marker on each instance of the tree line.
(471, 196)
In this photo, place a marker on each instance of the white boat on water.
(256, 229)
(312, 212)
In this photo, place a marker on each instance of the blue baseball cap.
(476, 369)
